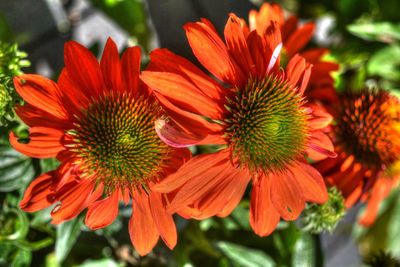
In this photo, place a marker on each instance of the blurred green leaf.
(67, 234)
(22, 258)
(386, 63)
(393, 240)
(245, 257)
(130, 15)
(304, 251)
(16, 170)
(100, 263)
(381, 31)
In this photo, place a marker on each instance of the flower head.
(258, 114)
(98, 120)
(295, 38)
(366, 137)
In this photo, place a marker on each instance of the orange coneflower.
(295, 38)
(367, 140)
(257, 113)
(98, 120)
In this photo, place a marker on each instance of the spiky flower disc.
(115, 140)
(267, 124)
(369, 127)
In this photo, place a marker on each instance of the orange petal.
(299, 38)
(73, 198)
(286, 195)
(110, 66)
(103, 212)
(182, 93)
(320, 146)
(142, 229)
(41, 93)
(33, 116)
(163, 60)
(311, 182)
(295, 69)
(38, 194)
(237, 45)
(320, 118)
(43, 142)
(163, 220)
(83, 68)
(263, 216)
(195, 167)
(212, 53)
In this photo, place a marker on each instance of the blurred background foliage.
(363, 36)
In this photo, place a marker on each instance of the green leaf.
(304, 251)
(22, 258)
(67, 234)
(393, 241)
(385, 63)
(245, 257)
(382, 31)
(16, 170)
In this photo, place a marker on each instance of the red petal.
(77, 98)
(295, 69)
(38, 194)
(111, 67)
(74, 199)
(131, 68)
(163, 220)
(311, 182)
(43, 142)
(212, 53)
(33, 116)
(263, 216)
(182, 93)
(41, 93)
(103, 212)
(286, 195)
(320, 146)
(142, 229)
(299, 38)
(237, 45)
(320, 118)
(163, 60)
(83, 68)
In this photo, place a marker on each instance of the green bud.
(318, 218)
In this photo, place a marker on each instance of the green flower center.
(267, 124)
(116, 141)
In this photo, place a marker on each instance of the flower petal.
(131, 67)
(38, 194)
(43, 142)
(110, 66)
(103, 212)
(142, 229)
(299, 38)
(83, 68)
(320, 146)
(163, 220)
(212, 53)
(263, 216)
(286, 195)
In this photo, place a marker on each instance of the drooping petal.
(41, 93)
(212, 53)
(163, 220)
(43, 142)
(83, 68)
(320, 146)
(311, 182)
(103, 212)
(74, 199)
(38, 195)
(320, 118)
(299, 38)
(286, 195)
(263, 216)
(142, 229)
(110, 66)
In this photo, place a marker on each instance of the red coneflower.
(257, 113)
(294, 38)
(98, 120)
(367, 140)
